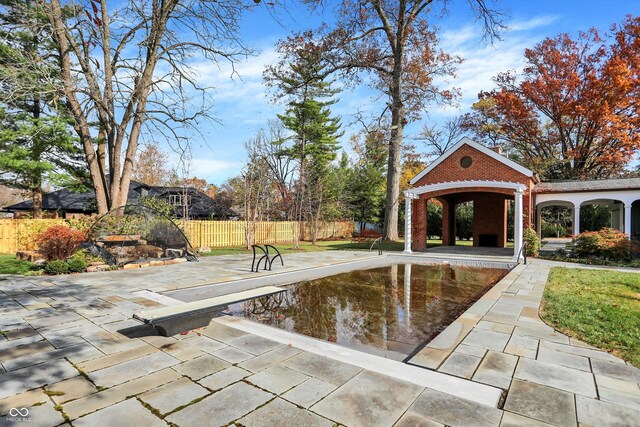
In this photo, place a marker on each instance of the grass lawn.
(10, 265)
(287, 248)
(335, 245)
(601, 308)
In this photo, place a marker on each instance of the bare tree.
(440, 138)
(256, 184)
(280, 165)
(132, 66)
(10, 196)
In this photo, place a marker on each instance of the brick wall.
(491, 212)
(490, 217)
(419, 225)
(483, 168)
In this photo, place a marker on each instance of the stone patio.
(72, 355)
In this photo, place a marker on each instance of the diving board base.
(177, 325)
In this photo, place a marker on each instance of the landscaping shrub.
(86, 256)
(82, 224)
(533, 242)
(29, 230)
(59, 242)
(607, 243)
(77, 265)
(57, 266)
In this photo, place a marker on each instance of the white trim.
(464, 184)
(517, 227)
(578, 198)
(408, 201)
(627, 220)
(479, 147)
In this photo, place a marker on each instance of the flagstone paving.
(72, 355)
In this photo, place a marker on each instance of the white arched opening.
(621, 201)
(548, 204)
(517, 188)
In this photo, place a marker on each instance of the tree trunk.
(74, 106)
(390, 227)
(37, 202)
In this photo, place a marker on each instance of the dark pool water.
(389, 311)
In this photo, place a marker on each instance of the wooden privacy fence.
(233, 233)
(19, 234)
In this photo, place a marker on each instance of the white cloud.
(533, 23)
(208, 164)
(238, 80)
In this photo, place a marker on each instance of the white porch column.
(408, 202)
(576, 219)
(539, 221)
(517, 225)
(627, 220)
(621, 218)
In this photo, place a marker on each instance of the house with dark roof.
(186, 200)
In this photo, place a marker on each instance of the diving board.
(178, 318)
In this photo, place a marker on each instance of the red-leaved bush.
(59, 242)
(607, 243)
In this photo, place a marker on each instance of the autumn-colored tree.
(573, 112)
(483, 122)
(412, 165)
(391, 41)
(151, 166)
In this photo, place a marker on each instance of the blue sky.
(242, 106)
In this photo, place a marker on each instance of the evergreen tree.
(300, 80)
(35, 142)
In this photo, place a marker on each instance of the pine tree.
(300, 79)
(35, 140)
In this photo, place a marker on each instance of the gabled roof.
(479, 147)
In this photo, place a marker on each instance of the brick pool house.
(469, 171)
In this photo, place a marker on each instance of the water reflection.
(389, 310)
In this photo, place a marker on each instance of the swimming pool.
(391, 311)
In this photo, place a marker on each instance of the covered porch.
(621, 196)
(490, 206)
